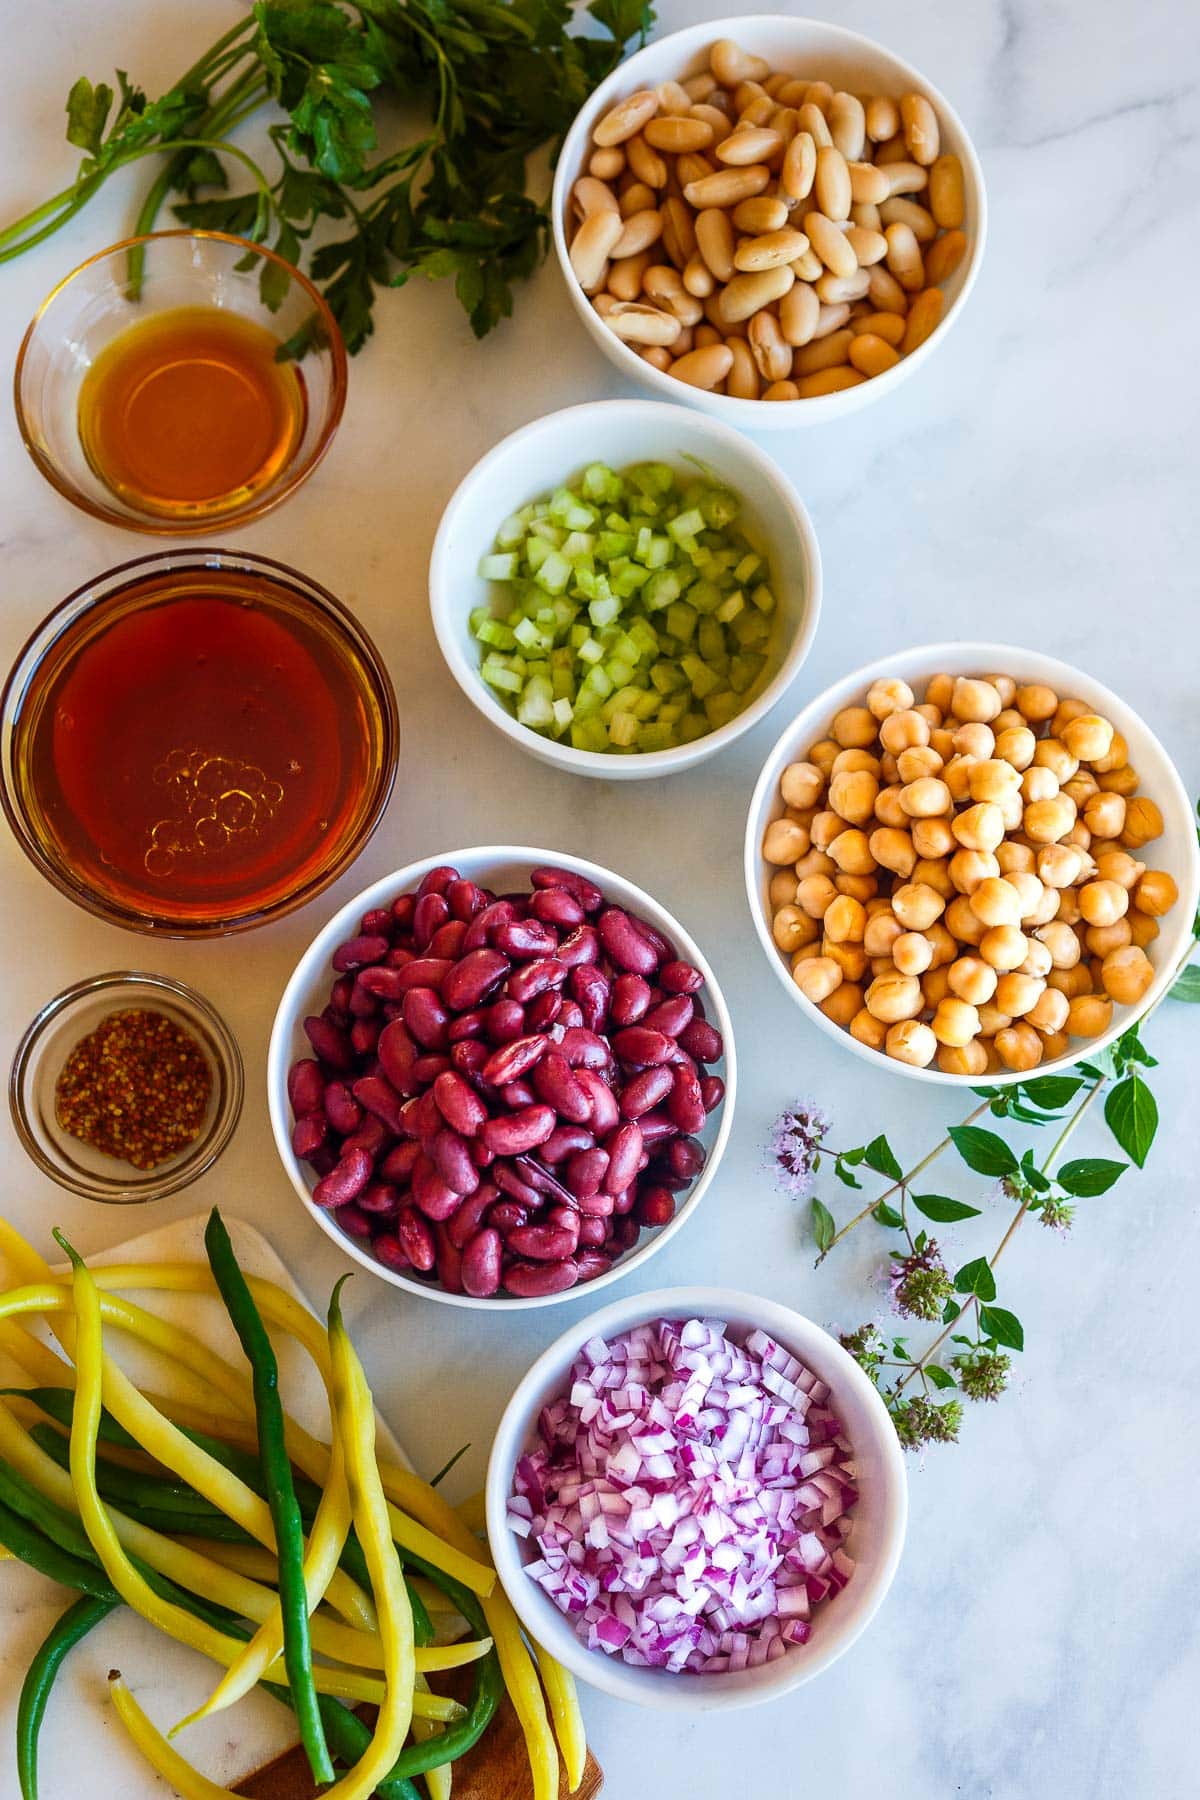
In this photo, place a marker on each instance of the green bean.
(66, 1632)
(487, 1687)
(281, 1492)
(35, 1548)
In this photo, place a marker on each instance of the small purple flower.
(795, 1146)
(920, 1283)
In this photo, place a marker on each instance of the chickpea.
(1046, 821)
(911, 1042)
(925, 799)
(784, 841)
(1089, 1014)
(845, 920)
(1104, 815)
(1012, 811)
(932, 716)
(996, 902)
(1054, 1044)
(1086, 736)
(955, 1022)
(1019, 1047)
(980, 827)
(1051, 753)
(1115, 757)
(933, 872)
(859, 887)
(917, 761)
(1156, 893)
(852, 795)
(1015, 859)
(851, 851)
(893, 850)
(963, 1059)
(1068, 906)
(824, 828)
(1005, 686)
(792, 929)
(882, 930)
(1143, 929)
(889, 769)
(1038, 784)
(1059, 865)
(1061, 942)
(851, 959)
(844, 1002)
(994, 780)
(781, 890)
(824, 754)
(944, 947)
(1143, 823)
(815, 863)
(941, 739)
(801, 784)
(939, 692)
(1048, 907)
(917, 905)
(912, 953)
(932, 839)
(816, 894)
(903, 730)
(889, 695)
(962, 923)
(1079, 835)
(976, 740)
(894, 996)
(1082, 787)
(1103, 902)
(1049, 1013)
(1119, 781)
(1004, 946)
(1008, 720)
(1100, 939)
(968, 868)
(1065, 711)
(854, 728)
(1126, 974)
(957, 777)
(855, 762)
(868, 1030)
(935, 985)
(1016, 746)
(974, 701)
(1038, 961)
(888, 809)
(1036, 702)
(972, 979)
(991, 1019)
(1017, 994)
(817, 977)
(1031, 894)
(1071, 982)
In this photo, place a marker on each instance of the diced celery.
(748, 566)
(651, 478)
(681, 620)
(603, 612)
(511, 532)
(646, 705)
(547, 532)
(705, 596)
(627, 577)
(601, 483)
(744, 671)
(589, 650)
(498, 635)
(702, 678)
(666, 678)
(763, 598)
(498, 567)
(672, 710)
(564, 712)
(618, 671)
(612, 544)
(497, 675)
(536, 705)
(720, 708)
(693, 725)
(720, 508)
(711, 641)
(554, 573)
(536, 552)
(655, 735)
(730, 608)
(686, 525)
(588, 734)
(623, 729)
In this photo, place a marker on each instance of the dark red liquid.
(199, 746)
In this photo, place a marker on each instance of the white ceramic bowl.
(808, 47)
(875, 1541)
(1175, 850)
(539, 457)
(502, 867)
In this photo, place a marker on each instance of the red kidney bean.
(591, 1263)
(379, 1197)
(363, 1004)
(364, 1035)
(397, 1166)
(399, 958)
(642, 1092)
(516, 1095)
(534, 978)
(382, 982)
(435, 1197)
(625, 943)
(452, 1160)
(496, 912)
(586, 1171)
(391, 1253)
(431, 911)
(447, 940)
(345, 1181)
(555, 906)
(428, 1117)
(426, 1018)
(481, 1265)
(357, 952)
(468, 1058)
(467, 1025)
(426, 1069)
(463, 1224)
(306, 1087)
(583, 1049)
(449, 1261)
(504, 1021)
(421, 971)
(372, 1136)
(522, 938)
(592, 991)
(624, 1146)
(685, 1103)
(657, 1127)
(655, 1207)
(638, 1045)
(625, 1232)
(545, 1243)
(686, 1156)
(464, 899)
(540, 1179)
(416, 1239)
(592, 1232)
(458, 1103)
(353, 1221)
(529, 1280)
(605, 1111)
(661, 1176)
(481, 1156)
(506, 1215)
(631, 997)
(378, 1095)
(671, 1016)
(712, 1092)
(331, 1043)
(308, 1134)
(513, 1060)
(339, 993)
(564, 1141)
(403, 908)
(623, 1203)
(570, 1016)
(580, 948)
(554, 1082)
(703, 1041)
(437, 880)
(510, 1135)
(470, 980)
(585, 891)
(596, 1206)
(543, 1010)
(377, 923)
(680, 978)
(398, 1055)
(323, 1160)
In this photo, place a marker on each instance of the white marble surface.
(1036, 482)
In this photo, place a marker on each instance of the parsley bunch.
(497, 80)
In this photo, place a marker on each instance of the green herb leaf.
(1089, 1175)
(843, 1174)
(88, 108)
(982, 1150)
(1187, 986)
(887, 1215)
(941, 1378)
(878, 1155)
(824, 1229)
(1051, 1092)
(950, 1312)
(976, 1278)
(1131, 1113)
(942, 1210)
(1004, 1326)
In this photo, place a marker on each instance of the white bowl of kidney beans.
(499, 1075)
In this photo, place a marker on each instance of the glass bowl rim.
(271, 497)
(200, 1156)
(49, 629)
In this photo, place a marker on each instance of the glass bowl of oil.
(180, 382)
(196, 742)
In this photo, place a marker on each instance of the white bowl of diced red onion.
(654, 1566)
(499, 1074)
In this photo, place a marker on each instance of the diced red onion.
(689, 1498)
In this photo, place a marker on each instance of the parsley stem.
(896, 1185)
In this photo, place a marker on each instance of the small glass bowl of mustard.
(54, 1081)
(180, 382)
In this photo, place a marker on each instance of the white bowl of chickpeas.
(768, 209)
(973, 860)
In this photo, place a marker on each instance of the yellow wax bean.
(559, 1684)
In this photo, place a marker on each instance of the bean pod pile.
(505, 1091)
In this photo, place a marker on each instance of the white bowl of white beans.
(707, 308)
(995, 865)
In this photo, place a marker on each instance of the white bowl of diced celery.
(625, 587)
